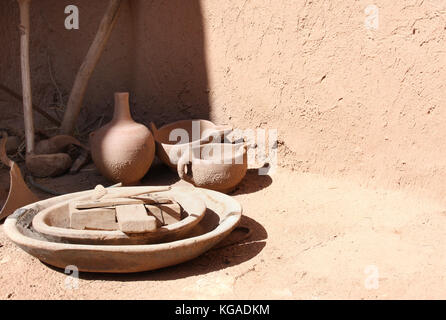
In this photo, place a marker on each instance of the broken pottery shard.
(89, 204)
(56, 144)
(152, 199)
(134, 219)
(19, 195)
(99, 192)
(93, 219)
(166, 214)
(48, 165)
(174, 210)
(81, 160)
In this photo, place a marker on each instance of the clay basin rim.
(228, 154)
(122, 258)
(53, 222)
(206, 129)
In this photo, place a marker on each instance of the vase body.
(122, 150)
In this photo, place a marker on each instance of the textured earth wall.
(349, 98)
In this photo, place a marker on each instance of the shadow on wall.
(156, 52)
(169, 74)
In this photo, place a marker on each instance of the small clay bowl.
(215, 166)
(173, 139)
(53, 223)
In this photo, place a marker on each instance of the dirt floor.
(313, 238)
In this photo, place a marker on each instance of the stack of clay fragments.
(136, 214)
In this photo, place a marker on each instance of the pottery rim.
(188, 248)
(238, 150)
(181, 124)
(41, 224)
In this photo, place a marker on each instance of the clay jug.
(122, 150)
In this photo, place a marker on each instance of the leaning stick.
(38, 165)
(91, 59)
(26, 75)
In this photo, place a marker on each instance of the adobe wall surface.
(57, 53)
(347, 100)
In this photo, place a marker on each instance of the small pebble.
(5, 260)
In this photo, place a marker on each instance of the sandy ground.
(313, 238)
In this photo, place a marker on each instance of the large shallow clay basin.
(53, 222)
(128, 258)
(173, 139)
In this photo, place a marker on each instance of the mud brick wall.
(367, 103)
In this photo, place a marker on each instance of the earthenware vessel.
(173, 139)
(19, 194)
(122, 150)
(216, 166)
(224, 214)
(53, 222)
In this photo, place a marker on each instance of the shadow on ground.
(230, 252)
(235, 249)
(252, 182)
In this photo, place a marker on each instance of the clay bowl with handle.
(173, 139)
(215, 166)
(54, 222)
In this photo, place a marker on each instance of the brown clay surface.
(123, 150)
(312, 238)
(357, 107)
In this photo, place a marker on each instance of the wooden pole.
(91, 59)
(26, 75)
(38, 165)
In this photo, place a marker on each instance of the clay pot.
(172, 140)
(224, 215)
(54, 222)
(122, 150)
(216, 166)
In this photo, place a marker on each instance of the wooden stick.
(35, 108)
(81, 160)
(91, 59)
(26, 75)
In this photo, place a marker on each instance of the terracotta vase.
(122, 150)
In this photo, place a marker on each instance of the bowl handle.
(183, 162)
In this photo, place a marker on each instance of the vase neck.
(122, 108)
